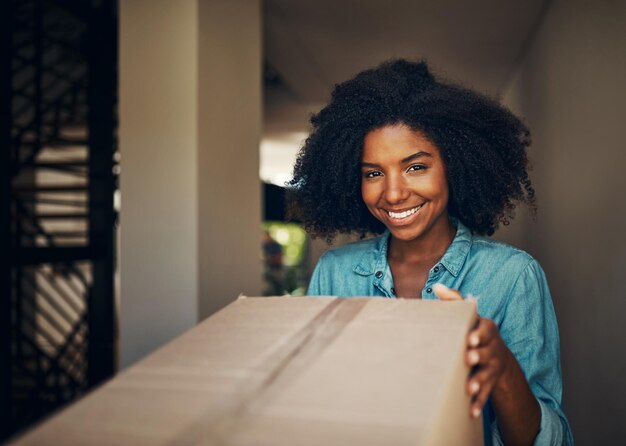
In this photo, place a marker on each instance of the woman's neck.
(431, 245)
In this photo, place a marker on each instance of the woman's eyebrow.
(403, 160)
(364, 164)
(416, 155)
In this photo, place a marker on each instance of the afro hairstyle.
(483, 146)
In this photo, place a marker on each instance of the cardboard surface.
(291, 371)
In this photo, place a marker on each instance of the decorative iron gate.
(59, 175)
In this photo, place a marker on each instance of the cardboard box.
(291, 371)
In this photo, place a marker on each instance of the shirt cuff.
(551, 429)
(552, 432)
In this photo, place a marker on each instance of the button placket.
(432, 278)
(383, 283)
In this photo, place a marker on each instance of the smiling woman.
(434, 168)
(404, 186)
(404, 183)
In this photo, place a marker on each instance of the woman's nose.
(395, 190)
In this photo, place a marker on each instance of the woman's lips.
(403, 214)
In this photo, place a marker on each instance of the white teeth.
(404, 214)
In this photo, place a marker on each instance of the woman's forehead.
(397, 141)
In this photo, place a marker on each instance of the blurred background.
(146, 143)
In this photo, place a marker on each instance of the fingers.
(483, 333)
(486, 357)
(445, 293)
(482, 380)
(479, 387)
(478, 357)
(485, 354)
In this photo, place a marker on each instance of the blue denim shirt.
(511, 289)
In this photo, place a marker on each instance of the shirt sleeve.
(318, 285)
(530, 331)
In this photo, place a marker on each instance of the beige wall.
(189, 124)
(229, 100)
(571, 89)
(158, 142)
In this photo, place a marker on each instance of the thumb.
(445, 293)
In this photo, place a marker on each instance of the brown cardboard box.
(291, 371)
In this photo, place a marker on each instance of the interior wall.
(570, 88)
(190, 120)
(158, 142)
(229, 117)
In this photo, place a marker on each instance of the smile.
(403, 214)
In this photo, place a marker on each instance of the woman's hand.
(490, 359)
(496, 372)
(486, 354)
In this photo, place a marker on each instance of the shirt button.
(429, 290)
(379, 274)
(436, 269)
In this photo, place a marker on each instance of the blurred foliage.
(290, 278)
(291, 237)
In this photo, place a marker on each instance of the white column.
(229, 117)
(158, 143)
(190, 122)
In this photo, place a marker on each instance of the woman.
(434, 168)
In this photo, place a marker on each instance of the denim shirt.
(510, 288)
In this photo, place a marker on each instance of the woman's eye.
(372, 174)
(416, 167)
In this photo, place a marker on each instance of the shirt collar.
(454, 257)
(375, 259)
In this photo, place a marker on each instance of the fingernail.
(474, 341)
(474, 387)
(473, 358)
(475, 412)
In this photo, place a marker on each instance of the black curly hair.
(483, 146)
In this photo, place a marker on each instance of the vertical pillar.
(229, 128)
(102, 55)
(6, 147)
(158, 147)
(190, 123)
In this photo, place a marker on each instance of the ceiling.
(310, 45)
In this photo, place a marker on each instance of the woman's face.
(404, 183)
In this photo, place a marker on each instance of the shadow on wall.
(570, 89)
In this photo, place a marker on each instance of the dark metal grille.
(60, 83)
